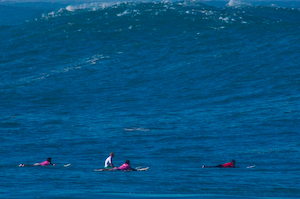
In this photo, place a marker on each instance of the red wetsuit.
(125, 167)
(229, 164)
(45, 163)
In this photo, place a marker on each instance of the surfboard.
(137, 168)
(102, 170)
(24, 165)
(142, 169)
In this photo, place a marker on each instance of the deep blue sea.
(168, 85)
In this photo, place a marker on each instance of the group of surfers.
(109, 166)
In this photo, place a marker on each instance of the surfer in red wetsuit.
(45, 163)
(126, 167)
(226, 165)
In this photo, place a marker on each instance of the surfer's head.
(49, 159)
(127, 162)
(112, 154)
(233, 162)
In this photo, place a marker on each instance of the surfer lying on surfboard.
(124, 167)
(45, 163)
(226, 165)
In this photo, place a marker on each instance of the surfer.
(226, 165)
(126, 167)
(108, 162)
(45, 163)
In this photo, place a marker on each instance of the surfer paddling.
(45, 163)
(124, 167)
(226, 165)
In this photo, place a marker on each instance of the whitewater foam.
(237, 3)
(92, 6)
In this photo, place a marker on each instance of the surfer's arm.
(211, 166)
(111, 163)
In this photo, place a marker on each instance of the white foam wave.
(123, 13)
(91, 6)
(238, 3)
(136, 129)
(234, 3)
(74, 8)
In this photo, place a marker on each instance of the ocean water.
(168, 85)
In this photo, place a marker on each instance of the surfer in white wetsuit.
(108, 162)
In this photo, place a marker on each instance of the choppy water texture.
(168, 85)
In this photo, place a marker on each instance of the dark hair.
(233, 161)
(127, 162)
(49, 159)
